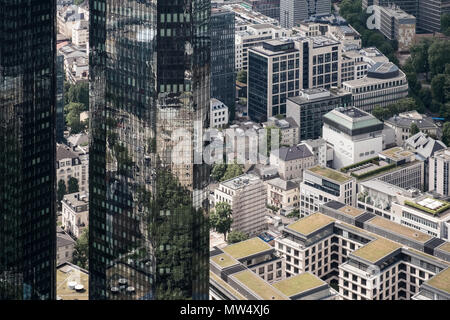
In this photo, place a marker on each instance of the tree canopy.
(236, 236)
(221, 218)
(81, 250)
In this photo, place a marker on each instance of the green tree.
(438, 56)
(414, 129)
(72, 111)
(218, 171)
(446, 133)
(79, 93)
(78, 2)
(236, 236)
(419, 55)
(73, 185)
(242, 76)
(445, 24)
(233, 170)
(294, 214)
(81, 250)
(221, 218)
(381, 113)
(61, 189)
(438, 87)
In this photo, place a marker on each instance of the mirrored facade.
(149, 89)
(27, 149)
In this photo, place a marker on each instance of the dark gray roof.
(424, 146)
(64, 152)
(283, 184)
(293, 153)
(63, 239)
(291, 122)
(403, 122)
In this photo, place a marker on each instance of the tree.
(79, 93)
(236, 236)
(73, 185)
(233, 170)
(72, 111)
(446, 133)
(437, 87)
(81, 250)
(221, 218)
(218, 171)
(381, 113)
(294, 214)
(445, 24)
(414, 129)
(61, 189)
(438, 56)
(242, 76)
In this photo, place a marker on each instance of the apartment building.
(80, 33)
(283, 194)
(252, 270)
(289, 130)
(354, 134)
(384, 84)
(69, 164)
(311, 105)
(75, 213)
(291, 161)
(322, 184)
(367, 256)
(439, 179)
(402, 122)
(219, 114)
(246, 194)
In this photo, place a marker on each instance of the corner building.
(149, 87)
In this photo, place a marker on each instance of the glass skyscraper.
(149, 89)
(27, 149)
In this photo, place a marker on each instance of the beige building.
(64, 247)
(80, 33)
(289, 130)
(246, 194)
(438, 172)
(75, 213)
(292, 161)
(283, 193)
(69, 164)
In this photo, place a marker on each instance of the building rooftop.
(66, 273)
(241, 181)
(430, 205)
(224, 260)
(406, 119)
(64, 152)
(352, 211)
(441, 281)
(258, 286)
(282, 184)
(352, 121)
(400, 229)
(293, 153)
(397, 153)
(247, 248)
(376, 250)
(328, 173)
(311, 223)
(76, 199)
(298, 284)
(445, 247)
(233, 291)
(423, 145)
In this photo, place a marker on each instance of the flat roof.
(67, 273)
(400, 229)
(216, 278)
(311, 223)
(441, 281)
(223, 260)
(376, 250)
(445, 247)
(247, 248)
(297, 284)
(330, 174)
(258, 286)
(397, 153)
(352, 211)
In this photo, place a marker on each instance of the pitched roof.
(293, 153)
(64, 152)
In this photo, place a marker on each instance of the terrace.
(429, 205)
(66, 274)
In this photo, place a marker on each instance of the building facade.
(283, 194)
(150, 83)
(219, 114)
(294, 11)
(27, 150)
(291, 161)
(438, 177)
(75, 213)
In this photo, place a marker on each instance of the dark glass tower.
(149, 88)
(27, 149)
(223, 77)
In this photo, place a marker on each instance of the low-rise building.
(322, 151)
(72, 282)
(218, 114)
(72, 162)
(322, 184)
(289, 130)
(283, 194)
(291, 161)
(75, 213)
(246, 194)
(64, 247)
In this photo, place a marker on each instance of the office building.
(222, 57)
(402, 123)
(27, 150)
(291, 161)
(270, 8)
(294, 11)
(288, 130)
(383, 85)
(311, 105)
(60, 121)
(354, 134)
(322, 184)
(324, 63)
(322, 151)
(246, 194)
(438, 179)
(150, 83)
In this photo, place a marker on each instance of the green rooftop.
(330, 174)
(247, 248)
(376, 250)
(311, 223)
(298, 284)
(445, 247)
(429, 205)
(400, 229)
(360, 118)
(257, 285)
(441, 281)
(226, 286)
(224, 260)
(396, 153)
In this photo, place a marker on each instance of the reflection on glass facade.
(223, 77)
(27, 149)
(149, 87)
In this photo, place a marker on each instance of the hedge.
(345, 169)
(370, 173)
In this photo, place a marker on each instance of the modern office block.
(27, 150)
(60, 121)
(439, 178)
(270, 8)
(150, 85)
(294, 11)
(223, 75)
